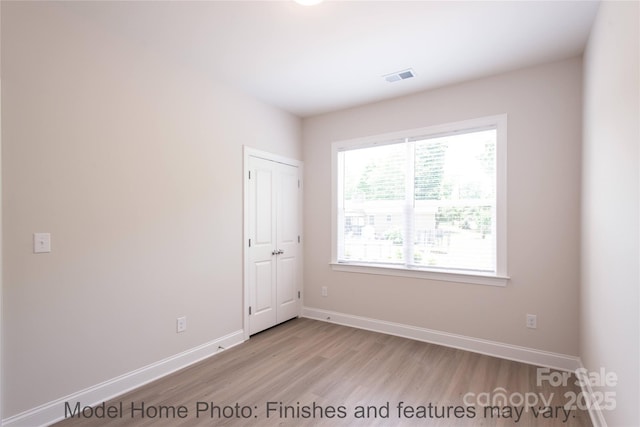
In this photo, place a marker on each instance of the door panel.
(274, 272)
(264, 209)
(287, 238)
(262, 269)
(287, 289)
(264, 288)
(288, 206)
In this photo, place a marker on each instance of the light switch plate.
(532, 321)
(41, 243)
(181, 324)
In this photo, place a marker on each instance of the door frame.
(252, 152)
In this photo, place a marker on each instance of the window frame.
(500, 277)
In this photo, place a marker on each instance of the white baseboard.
(491, 348)
(595, 413)
(52, 412)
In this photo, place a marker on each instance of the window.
(441, 192)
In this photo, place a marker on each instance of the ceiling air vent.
(399, 75)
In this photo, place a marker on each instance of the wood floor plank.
(311, 373)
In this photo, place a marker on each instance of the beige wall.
(544, 135)
(610, 240)
(133, 163)
(127, 157)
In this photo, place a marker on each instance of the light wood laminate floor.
(311, 373)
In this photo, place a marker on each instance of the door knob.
(280, 252)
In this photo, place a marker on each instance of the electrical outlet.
(532, 321)
(41, 243)
(181, 324)
(325, 291)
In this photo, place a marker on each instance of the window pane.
(426, 202)
(455, 237)
(374, 194)
(455, 192)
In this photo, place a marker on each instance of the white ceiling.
(315, 59)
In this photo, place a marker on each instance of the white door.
(274, 272)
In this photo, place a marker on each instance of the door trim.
(247, 153)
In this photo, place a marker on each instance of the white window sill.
(401, 271)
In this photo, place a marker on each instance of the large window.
(425, 203)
